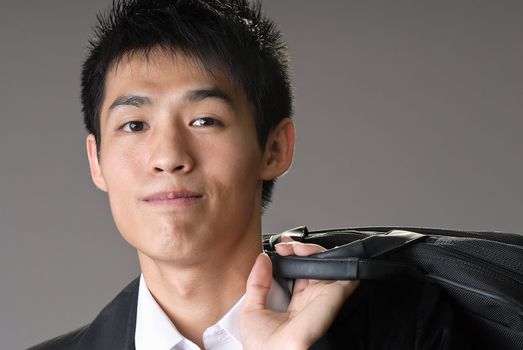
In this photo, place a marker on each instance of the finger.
(302, 249)
(285, 249)
(286, 238)
(258, 283)
(347, 287)
(299, 285)
(302, 284)
(297, 248)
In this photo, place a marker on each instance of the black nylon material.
(460, 290)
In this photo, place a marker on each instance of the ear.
(94, 164)
(279, 149)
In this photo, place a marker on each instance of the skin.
(160, 132)
(312, 309)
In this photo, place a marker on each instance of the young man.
(188, 105)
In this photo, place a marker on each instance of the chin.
(167, 245)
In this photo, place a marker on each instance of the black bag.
(420, 288)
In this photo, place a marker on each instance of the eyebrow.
(130, 100)
(192, 96)
(212, 92)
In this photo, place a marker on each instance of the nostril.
(163, 162)
(159, 169)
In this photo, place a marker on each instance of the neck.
(197, 296)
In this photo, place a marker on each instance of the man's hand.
(312, 309)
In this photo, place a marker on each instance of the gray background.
(408, 113)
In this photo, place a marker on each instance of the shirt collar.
(154, 329)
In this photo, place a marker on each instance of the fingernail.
(284, 244)
(287, 236)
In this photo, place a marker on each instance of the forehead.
(160, 66)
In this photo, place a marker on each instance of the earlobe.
(94, 164)
(279, 150)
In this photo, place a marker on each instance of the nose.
(170, 152)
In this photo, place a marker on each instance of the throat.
(193, 314)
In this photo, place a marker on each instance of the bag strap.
(357, 260)
(296, 267)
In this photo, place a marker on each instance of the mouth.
(173, 198)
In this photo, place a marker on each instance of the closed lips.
(172, 195)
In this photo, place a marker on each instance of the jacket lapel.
(114, 327)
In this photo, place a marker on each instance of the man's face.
(179, 158)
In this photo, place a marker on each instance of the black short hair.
(229, 35)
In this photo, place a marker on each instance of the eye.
(205, 121)
(133, 126)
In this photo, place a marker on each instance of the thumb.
(258, 283)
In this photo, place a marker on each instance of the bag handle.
(357, 260)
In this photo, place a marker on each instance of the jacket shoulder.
(66, 341)
(113, 328)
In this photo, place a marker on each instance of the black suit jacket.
(113, 328)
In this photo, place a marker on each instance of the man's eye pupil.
(136, 126)
(204, 122)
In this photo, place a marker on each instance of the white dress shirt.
(155, 331)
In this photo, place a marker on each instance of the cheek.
(122, 176)
(236, 169)
(122, 167)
